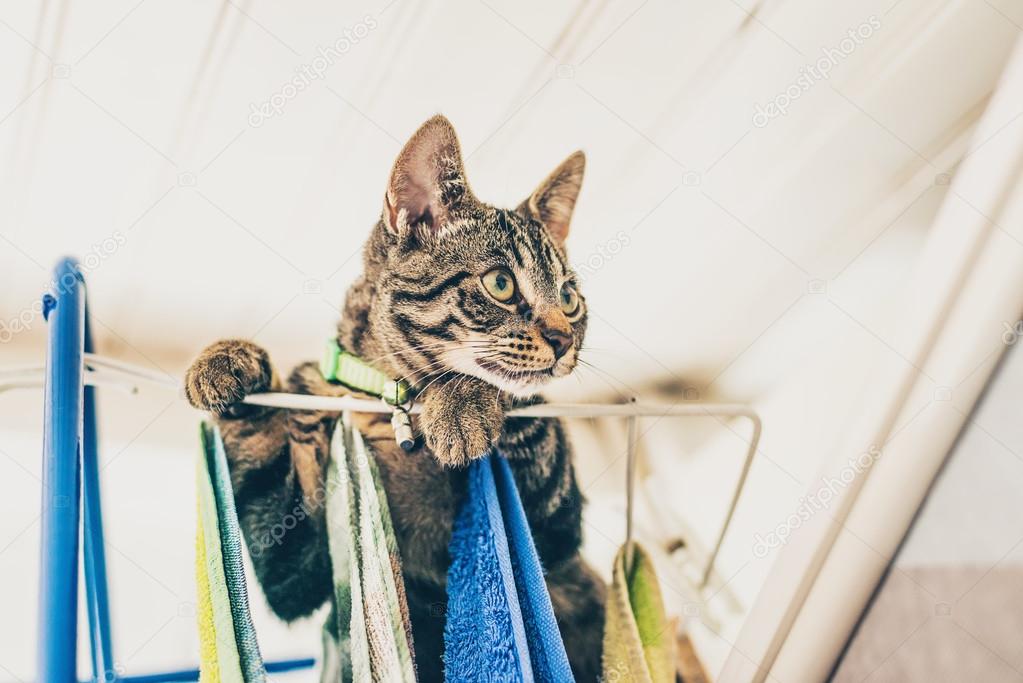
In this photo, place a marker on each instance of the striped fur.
(420, 311)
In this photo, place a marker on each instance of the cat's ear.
(552, 203)
(428, 182)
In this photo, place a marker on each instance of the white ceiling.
(131, 120)
(755, 253)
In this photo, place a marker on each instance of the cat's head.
(454, 286)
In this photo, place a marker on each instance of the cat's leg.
(461, 419)
(274, 461)
(541, 460)
(427, 611)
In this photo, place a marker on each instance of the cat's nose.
(559, 341)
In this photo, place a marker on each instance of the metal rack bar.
(361, 405)
(184, 675)
(62, 436)
(630, 487)
(71, 475)
(96, 591)
(71, 494)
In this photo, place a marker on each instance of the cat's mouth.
(524, 376)
(478, 358)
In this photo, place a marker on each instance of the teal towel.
(372, 613)
(251, 661)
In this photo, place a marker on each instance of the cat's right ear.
(427, 182)
(553, 202)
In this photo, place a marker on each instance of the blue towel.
(546, 650)
(500, 622)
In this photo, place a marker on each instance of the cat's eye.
(500, 284)
(569, 300)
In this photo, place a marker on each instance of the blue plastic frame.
(71, 502)
(62, 437)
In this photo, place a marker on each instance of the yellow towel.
(639, 641)
(208, 668)
(218, 649)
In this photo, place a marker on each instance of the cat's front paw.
(224, 374)
(461, 421)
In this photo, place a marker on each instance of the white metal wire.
(103, 371)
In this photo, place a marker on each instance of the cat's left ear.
(552, 203)
(428, 185)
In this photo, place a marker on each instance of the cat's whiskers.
(489, 354)
(432, 367)
(442, 361)
(607, 379)
(436, 379)
(426, 347)
(598, 349)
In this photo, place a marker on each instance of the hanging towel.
(500, 622)
(639, 641)
(217, 649)
(546, 650)
(228, 647)
(372, 613)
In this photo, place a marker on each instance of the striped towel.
(373, 619)
(500, 622)
(228, 647)
(639, 641)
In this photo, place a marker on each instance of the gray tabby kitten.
(477, 307)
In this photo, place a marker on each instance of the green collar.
(348, 369)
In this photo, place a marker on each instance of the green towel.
(639, 641)
(373, 620)
(227, 638)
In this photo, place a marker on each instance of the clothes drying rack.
(71, 500)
